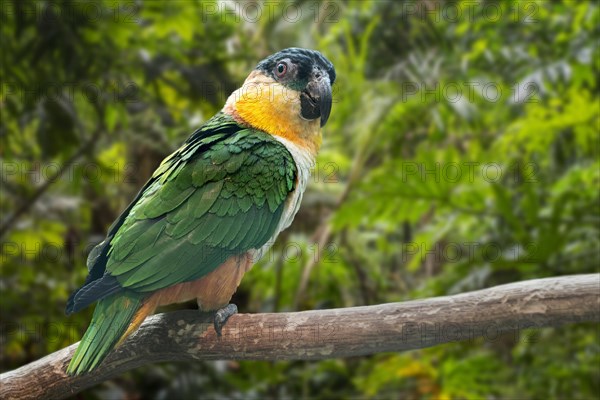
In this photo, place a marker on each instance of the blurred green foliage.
(462, 153)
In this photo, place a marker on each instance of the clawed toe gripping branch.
(222, 315)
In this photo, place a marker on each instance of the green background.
(461, 153)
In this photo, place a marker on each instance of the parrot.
(212, 208)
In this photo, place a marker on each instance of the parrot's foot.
(222, 315)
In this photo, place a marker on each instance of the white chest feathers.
(304, 160)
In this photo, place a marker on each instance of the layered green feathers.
(200, 212)
(221, 194)
(111, 318)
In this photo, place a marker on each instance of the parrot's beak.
(315, 100)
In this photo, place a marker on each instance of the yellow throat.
(269, 106)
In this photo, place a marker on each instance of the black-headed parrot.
(212, 208)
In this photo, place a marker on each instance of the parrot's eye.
(281, 69)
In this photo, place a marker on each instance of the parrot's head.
(288, 95)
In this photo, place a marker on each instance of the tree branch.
(321, 334)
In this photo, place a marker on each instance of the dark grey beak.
(315, 100)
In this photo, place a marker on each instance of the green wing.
(201, 210)
(221, 194)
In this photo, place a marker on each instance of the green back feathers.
(198, 213)
(221, 194)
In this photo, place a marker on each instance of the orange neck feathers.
(265, 104)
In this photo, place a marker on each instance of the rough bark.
(315, 335)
